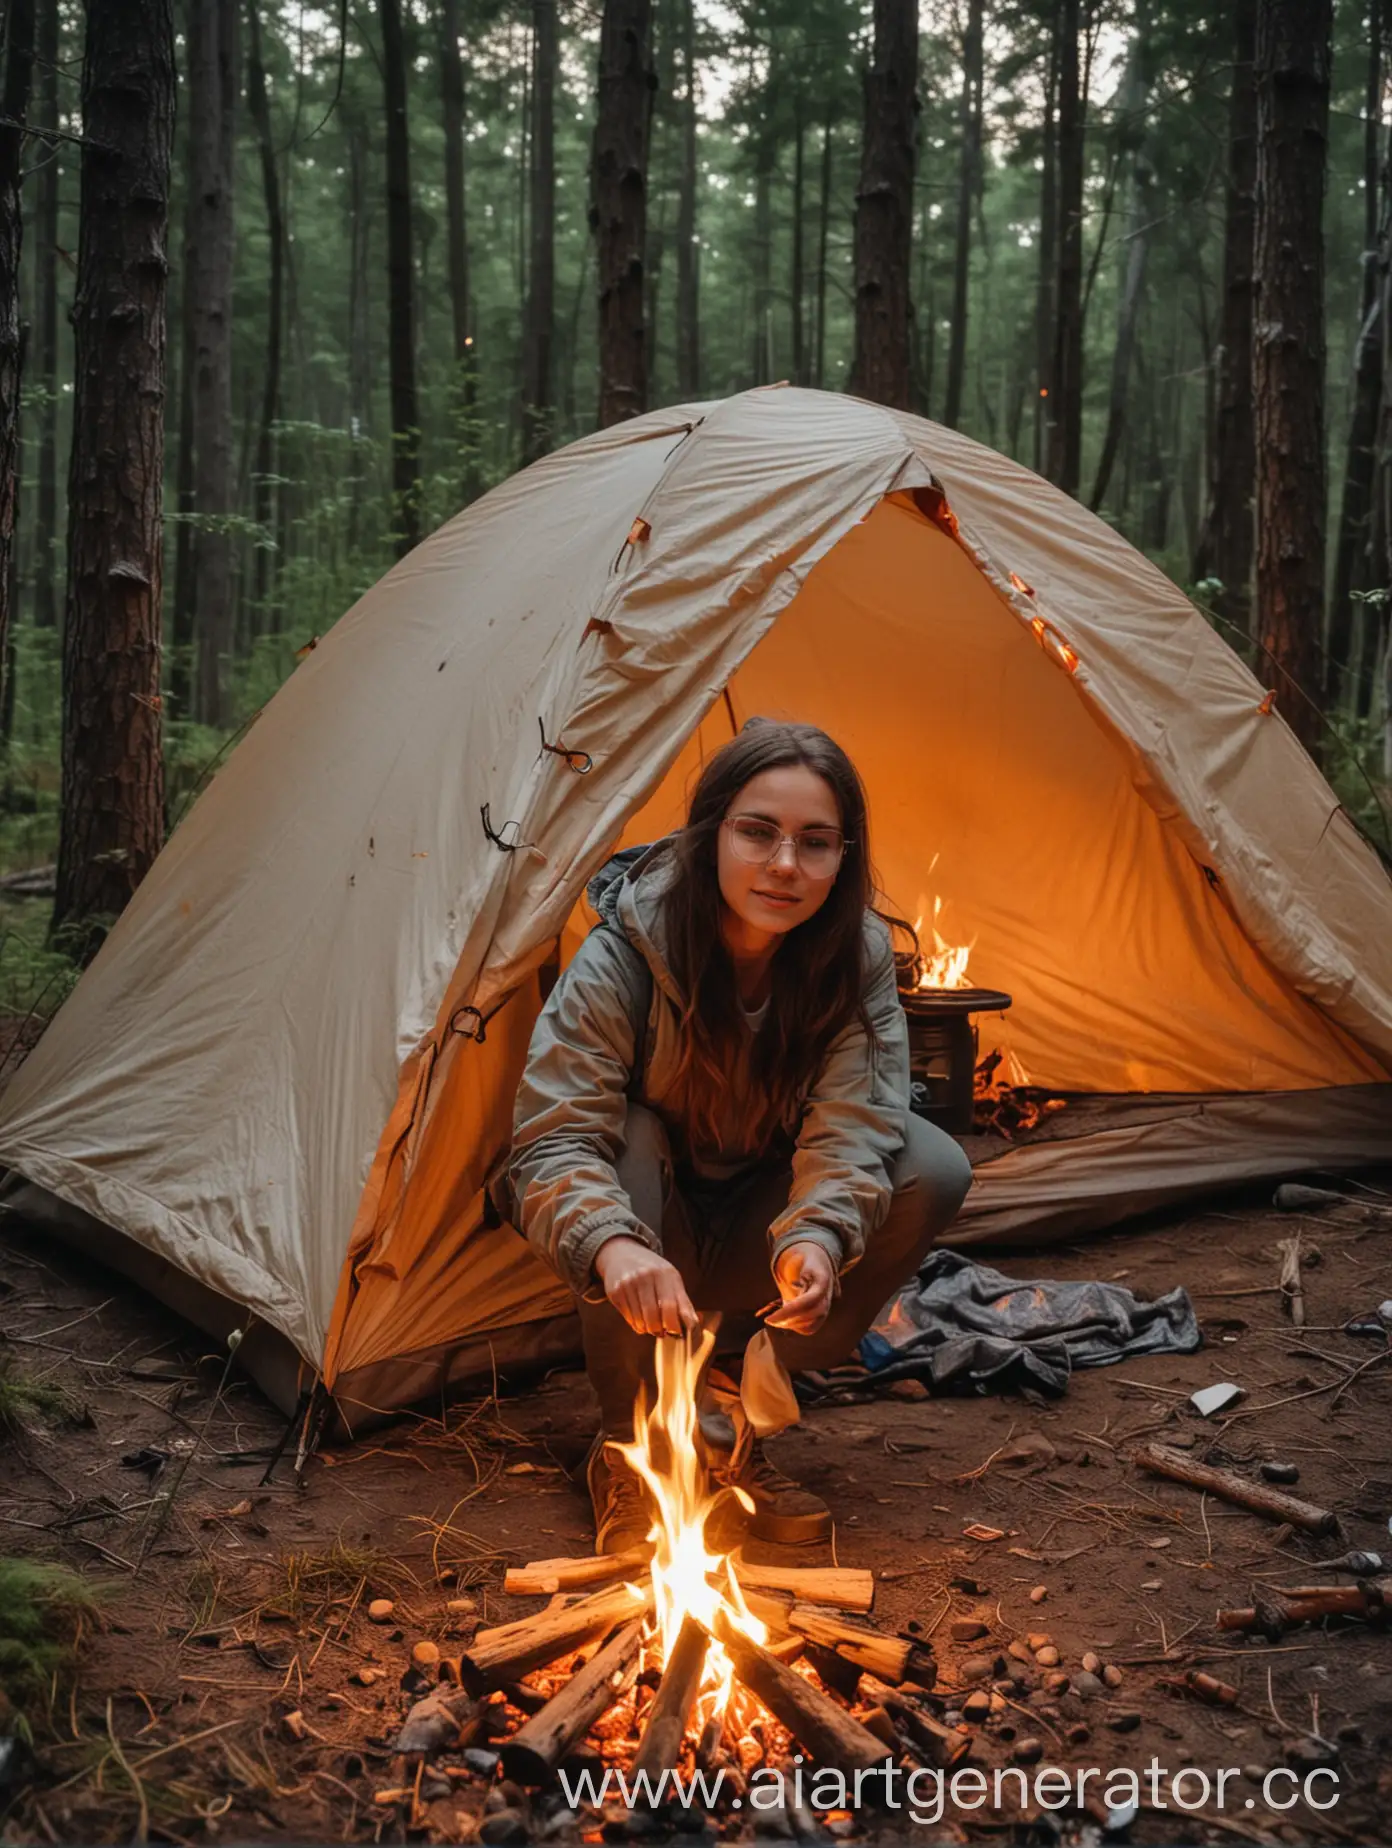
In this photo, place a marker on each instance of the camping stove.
(942, 1050)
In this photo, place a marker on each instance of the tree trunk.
(258, 104)
(359, 321)
(761, 350)
(688, 249)
(46, 328)
(1225, 546)
(1136, 97)
(1376, 624)
(538, 399)
(797, 287)
(1066, 371)
(113, 778)
(184, 620)
(884, 209)
(1292, 63)
(1352, 557)
(1048, 251)
(401, 288)
(14, 105)
(620, 206)
(968, 185)
(212, 91)
(457, 239)
(823, 237)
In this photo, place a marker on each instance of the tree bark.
(1066, 372)
(538, 396)
(620, 206)
(45, 348)
(263, 503)
(688, 248)
(113, 778)
(884, 209)
(212, 90)
(1141, 213)
(761, 348)
(14, 105)
(797, 287)
(1293, 72)
(1353, 557)
(823, 238)
(1226, 543)
(401, 287)
(1048, 251)
(1376, 629)
(968, 185)
(452, 99)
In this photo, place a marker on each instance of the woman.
(716, 1097)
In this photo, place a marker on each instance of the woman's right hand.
(645, 1288)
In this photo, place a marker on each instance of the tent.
(282, 1081)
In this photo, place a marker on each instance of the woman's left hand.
(806, 1279)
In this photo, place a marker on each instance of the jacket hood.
(627, 894)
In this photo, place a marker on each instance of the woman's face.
(770, 900)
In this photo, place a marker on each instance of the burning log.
(544, 1577)
(831, 1736)
(515, 1649)
(1291, 1604)
(667, 1717)
(534, 1750)
(892, 1658)
(1161, 1460)
(937, 1745)
(845, 1588)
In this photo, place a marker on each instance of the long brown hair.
(819, 970)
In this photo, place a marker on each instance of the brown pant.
(716, 1233)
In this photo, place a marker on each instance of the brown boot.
(623, 1508)
(784, 1512)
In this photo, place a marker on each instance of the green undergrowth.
(44, 1609)
(28, 1401)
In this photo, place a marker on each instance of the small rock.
(1020, 1652)
(1039, 1594)
(293, 1725)
(1120, 1816)
(366, 1676)
(1152, 1585)
(952, 1717)
(1028, 1751)
(1254, 1773)
(425, 1655)
(1047, 1657)
(1092, 1662)
(504, 1825)
(433, 1788)
(1088, 1684)
(380, 1610)
(1112, 1675)
(479, 1759)
(563, 1821)
(1057, 1683)
(1078, 1734)
(909, 1389)
(505, 1796)
(977, 1668)
(1311, 1754)
(1280, 1472)
(968, 1630)
(977, 1705)
(459, 1606)
(1039, 1639)
(998, 1703)
(842, 1826)
(1124, 1722)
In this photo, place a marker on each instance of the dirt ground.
(249, 1602)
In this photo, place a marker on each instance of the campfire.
(683, 1656)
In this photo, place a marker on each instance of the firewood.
(1161, 1460)
(664, 1725)
(1291, 1604)
(787, 1648)
(827, 1733)
(535, 1749)
(845, 1588)
(770, 1610)
(937, 1745)
(892, 1658)
(515, 1649)
(543, 1577)
(440, 1722)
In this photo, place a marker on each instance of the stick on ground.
(1161, 1460)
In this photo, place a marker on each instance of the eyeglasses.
(818, 851)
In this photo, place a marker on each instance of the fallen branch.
(536, 1748)
(1291, 1604)
(824, 1731)
(1161, 1460)
(515, 1649)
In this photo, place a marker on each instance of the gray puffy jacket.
(584, 1068)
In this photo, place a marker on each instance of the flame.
(687, 1577)
(945, 965)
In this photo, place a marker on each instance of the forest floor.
(250, 1603)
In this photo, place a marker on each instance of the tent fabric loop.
(479, 1031)
(580, 762)
(499, 838)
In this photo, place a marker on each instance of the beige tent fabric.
(269, 1058)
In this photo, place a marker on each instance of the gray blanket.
(959, 1324)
